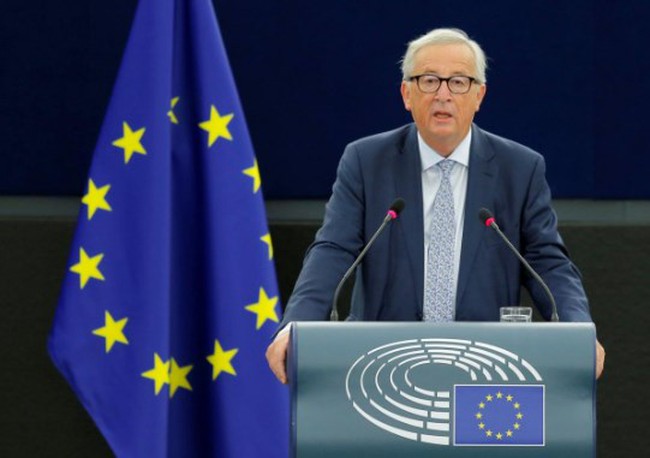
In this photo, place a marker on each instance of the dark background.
(566, 78)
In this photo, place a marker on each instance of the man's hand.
(600, 359)
(276, 355)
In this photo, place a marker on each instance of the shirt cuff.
(283, 331)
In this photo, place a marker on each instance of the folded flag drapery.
(170, 297)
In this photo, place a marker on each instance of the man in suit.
(437, 261)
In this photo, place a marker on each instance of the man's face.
(442, 118)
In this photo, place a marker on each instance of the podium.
(461, 389)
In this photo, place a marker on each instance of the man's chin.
(443, 132)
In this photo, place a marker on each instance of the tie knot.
(446, 166)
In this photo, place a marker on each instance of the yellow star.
(216, 126)
(499, 436)
(516, 425)
(479, 415)
(509, 433)
(499, 395)
(130, 142)
(488, 433)
(519, 416)
(178, 378)
(96, 198)
(267, 239)
(481, 425)
(509, 398)
(170, 113)
(112, 331)
(516, 405)
(264, 308)
(488, 397)
(87, 267)
(481, 405)
(221, 360)
(159, 373)
(254, 173)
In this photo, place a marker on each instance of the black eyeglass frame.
(471, 79)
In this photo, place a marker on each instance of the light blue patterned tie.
(438, 289)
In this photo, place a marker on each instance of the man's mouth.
(442, 115)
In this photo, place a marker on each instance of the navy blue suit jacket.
(504, 176)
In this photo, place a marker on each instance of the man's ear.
(480, 95)
(405, 89)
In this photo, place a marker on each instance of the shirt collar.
(430, 157)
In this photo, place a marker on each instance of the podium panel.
(448, 390)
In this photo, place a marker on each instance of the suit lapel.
(409, 186)
(481, 180)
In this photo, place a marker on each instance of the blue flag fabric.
(502, 415)
(170, 296)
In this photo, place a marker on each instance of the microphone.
(393, 212)
(487, 218)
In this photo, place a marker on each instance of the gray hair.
(439, 37)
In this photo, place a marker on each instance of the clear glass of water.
(516, 314)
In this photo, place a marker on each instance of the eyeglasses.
(430, 83)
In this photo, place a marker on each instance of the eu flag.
(170, 296)
(499, 415)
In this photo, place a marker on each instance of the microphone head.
(397, 206)
(486, 216)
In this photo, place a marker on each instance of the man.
(437, 262)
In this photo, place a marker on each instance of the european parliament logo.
(449, 392)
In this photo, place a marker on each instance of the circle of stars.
(481, 414)
(168, 372)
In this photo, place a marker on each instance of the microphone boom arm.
(395, 209)
(489, 221)
(334, 315)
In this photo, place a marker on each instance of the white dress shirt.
(431, 178)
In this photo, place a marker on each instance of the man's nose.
(443, 92)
